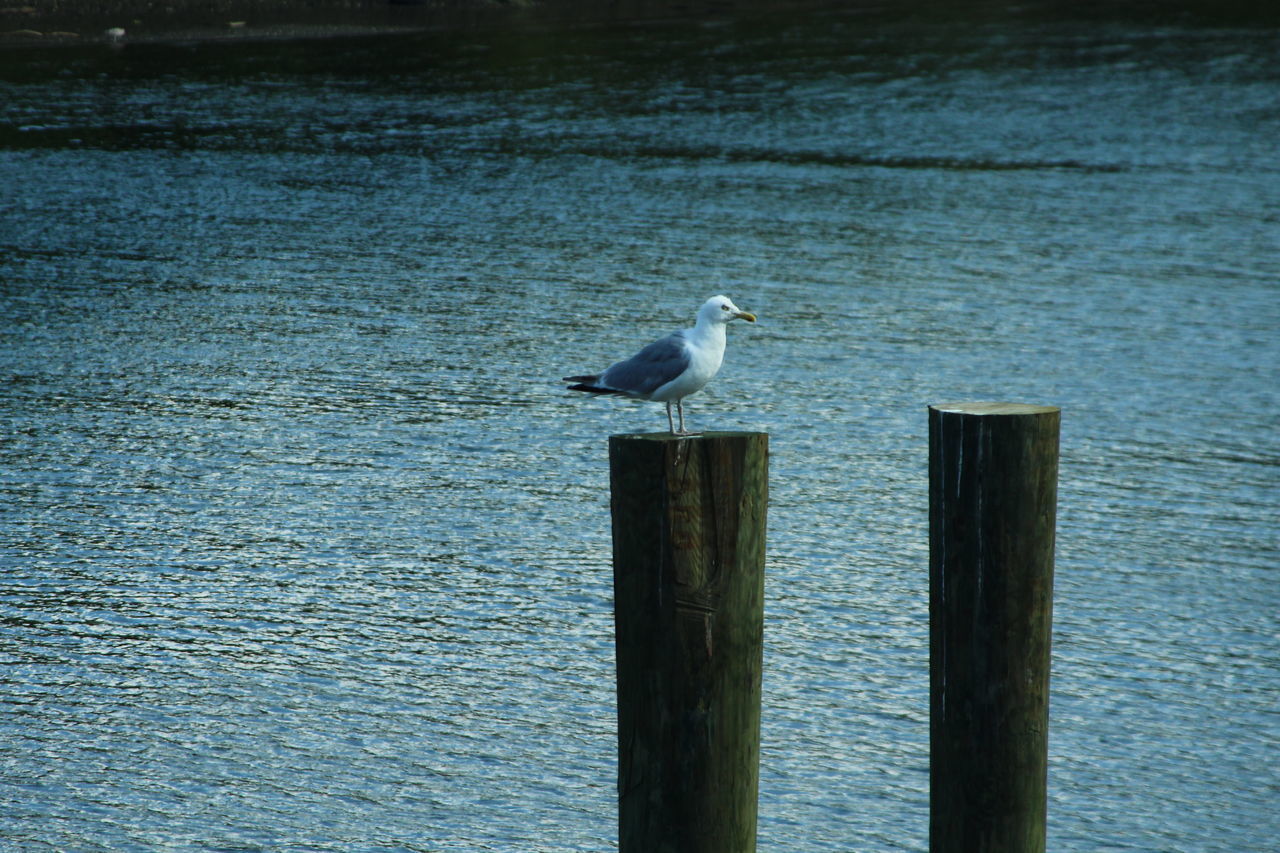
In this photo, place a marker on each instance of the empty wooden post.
(688, 575)
(993, 475)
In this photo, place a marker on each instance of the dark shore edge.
(50, 22)
(54, 22)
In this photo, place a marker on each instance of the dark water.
(304, 548)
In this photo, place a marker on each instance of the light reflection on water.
(305, 548)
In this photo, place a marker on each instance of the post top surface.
(991, 408)
(666, 436)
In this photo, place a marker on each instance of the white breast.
(706, 353)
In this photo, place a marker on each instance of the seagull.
(671, 368)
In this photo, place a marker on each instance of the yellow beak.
(746, 315)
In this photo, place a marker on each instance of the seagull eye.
(724, 307)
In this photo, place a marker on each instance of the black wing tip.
(592, 389)
(588, 384)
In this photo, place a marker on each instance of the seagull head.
(720, 309)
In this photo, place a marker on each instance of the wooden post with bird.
(688, 568)
(993, 474)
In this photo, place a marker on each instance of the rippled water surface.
(304, 547)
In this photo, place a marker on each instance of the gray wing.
(650, 369)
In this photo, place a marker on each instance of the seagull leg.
(671, 425)
(680, 410)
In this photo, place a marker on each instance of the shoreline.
(62, 22)
(115, 22)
